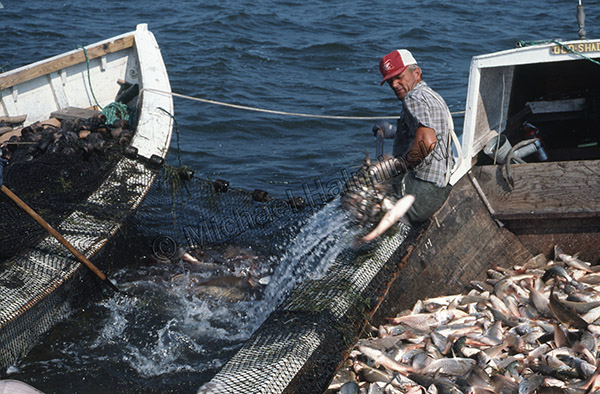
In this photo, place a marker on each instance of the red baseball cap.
(395, 63)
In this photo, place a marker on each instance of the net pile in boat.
(54, 168)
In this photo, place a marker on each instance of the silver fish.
(572, 261)
(560, 338)
(589, 342)
(540, 302)
(503, 384)
(390, 218)
(565, 314)
(450, 366)
(16, 386)
(585, 368)
(530, 384)
(349, 388)
(420, 321)
(436, 384)
(364, 196)
(370, 374)
(537, 261)
(557, 270)
(380, 358)
(498, 331)
(592, 315)
(480, 286)
(591, 279)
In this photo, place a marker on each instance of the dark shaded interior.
(566, 135)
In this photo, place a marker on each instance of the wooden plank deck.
(556, 190)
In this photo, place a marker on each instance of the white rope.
(270, 111)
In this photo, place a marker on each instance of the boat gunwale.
(65, 60)
(506, 57)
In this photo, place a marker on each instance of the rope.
(87, 62)
(114, 111)
(270, 111)
(522, 43)
(176, 134)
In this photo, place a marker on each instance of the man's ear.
(418, 72)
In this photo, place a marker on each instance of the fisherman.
(422, 157)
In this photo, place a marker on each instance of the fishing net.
(42, 282)
(54, 171)
(300, 345)
(75, 176)
(98, 199)
(190, 212)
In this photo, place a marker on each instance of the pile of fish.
(532, 328)
(69, 137)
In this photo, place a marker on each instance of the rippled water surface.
(296, 56)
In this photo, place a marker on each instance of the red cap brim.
(394, 74)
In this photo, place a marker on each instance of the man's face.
(403, 83)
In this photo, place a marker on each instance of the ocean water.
(305, 56)
(308, 57)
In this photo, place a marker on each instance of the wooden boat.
(491, 218)
(38, 286)
(504, 213)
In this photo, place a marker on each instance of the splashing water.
(308, 255)
(166, 333)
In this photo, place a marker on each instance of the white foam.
(167, 328)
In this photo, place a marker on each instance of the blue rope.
(112, 111)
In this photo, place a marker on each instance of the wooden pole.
(58, 237)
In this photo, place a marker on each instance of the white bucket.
(503, 149)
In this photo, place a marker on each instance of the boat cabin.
(550, 193)
(549, 90)
(544, 90)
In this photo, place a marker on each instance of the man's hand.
(389, 130)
